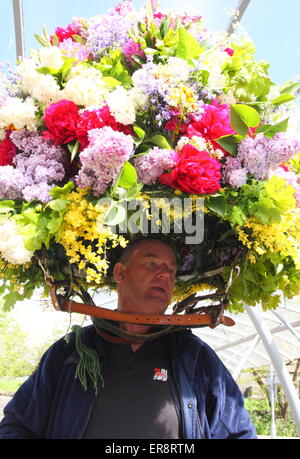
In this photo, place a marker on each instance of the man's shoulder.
(65, 347)
(193, 348)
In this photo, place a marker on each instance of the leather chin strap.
(193, 318)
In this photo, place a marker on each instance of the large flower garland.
(136, 106)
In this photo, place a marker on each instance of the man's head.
(145, 276)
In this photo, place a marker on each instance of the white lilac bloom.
(42, 87)
(122, 106)
(22, 114)
(85, 87)
(12, 247)
(51, 56)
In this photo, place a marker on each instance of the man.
(170, 387)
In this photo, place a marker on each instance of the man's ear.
(119, 272)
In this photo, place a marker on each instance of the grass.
(8, 386)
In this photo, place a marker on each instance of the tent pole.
(245, 356)
(19, 27)
(278, 364)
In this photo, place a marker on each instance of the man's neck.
(135, 329)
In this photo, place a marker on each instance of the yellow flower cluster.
(282, 238)
(85, 238)
(183, 98)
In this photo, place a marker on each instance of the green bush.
(16, 357)
(259, 411)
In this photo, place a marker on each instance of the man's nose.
(164, 271)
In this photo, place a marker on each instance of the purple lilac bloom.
(103, 159)
(107, 31)
(12, 183)
(72, 49)
(147, 81)
(261, 154)
(233, 172)
(123, 8)
(152, 165)
(37, 167)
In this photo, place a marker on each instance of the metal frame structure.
(240, 11)
(19, 27)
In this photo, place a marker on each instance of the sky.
(272, 24)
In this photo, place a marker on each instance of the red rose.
(7, 151)
(196, 172)
(97, 119)
(61, 121)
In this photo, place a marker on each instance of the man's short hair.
(131, 246)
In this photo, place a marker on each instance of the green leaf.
(133, 191)
(41, 40)
(230, 143)
(270, 131)
(55, 40)
(73, 149)
(217, 204)
(242, 117)
(283, 99)
(111, 81)
(78, 39)
(58, 192)
(289, 87)
(188, 47)
(139, 132)
(47, 71)
(127, 177)
(6, 206)
(58, 205)
(160, 141)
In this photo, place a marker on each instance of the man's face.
(146, 281)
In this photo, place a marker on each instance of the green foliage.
(264, 201)
(16, 358)
(113, 69)
(248, 79)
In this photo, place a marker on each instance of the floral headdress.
(141, 107)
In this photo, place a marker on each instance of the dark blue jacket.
(52, 404)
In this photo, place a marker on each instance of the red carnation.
(61, 121)
(7, 151)
(196, 172)
(214, 123)
(97, 119)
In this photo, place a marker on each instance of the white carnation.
(86, 87)
(19, 113)
(12, 247)
(122, 106)
(2, 134)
